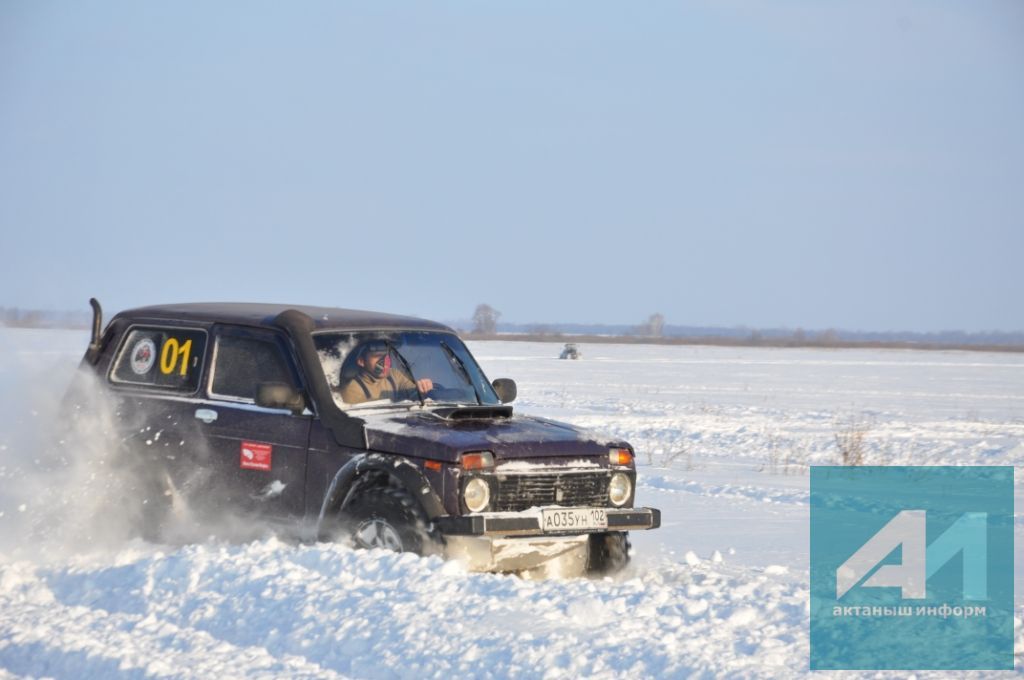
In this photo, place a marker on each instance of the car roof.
(263, 315)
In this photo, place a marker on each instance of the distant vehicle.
(370, 428)
(570, 351)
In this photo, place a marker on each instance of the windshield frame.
(482, 390)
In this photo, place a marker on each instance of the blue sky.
(816, 164)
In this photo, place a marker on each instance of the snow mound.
(273, 609)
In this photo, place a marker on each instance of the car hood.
(425, 434)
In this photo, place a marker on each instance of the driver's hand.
(425, 385)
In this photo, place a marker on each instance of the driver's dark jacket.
(368, 387)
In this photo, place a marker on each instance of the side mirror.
(506, 389)
(280, 395)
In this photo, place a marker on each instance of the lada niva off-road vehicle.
(373, 428)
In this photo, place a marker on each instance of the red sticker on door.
(255, 456)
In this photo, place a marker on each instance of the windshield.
(413, 367)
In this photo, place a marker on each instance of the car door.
(257, 454)
(155, 378)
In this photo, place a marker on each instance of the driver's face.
(372, 360)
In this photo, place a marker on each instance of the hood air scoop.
(473, 412)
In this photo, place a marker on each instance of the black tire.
(608, 554)
(388, 517)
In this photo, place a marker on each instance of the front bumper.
(529, 523)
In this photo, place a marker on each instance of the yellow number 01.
(170, 354)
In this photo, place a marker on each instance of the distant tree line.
(486, 322)
(15, 317)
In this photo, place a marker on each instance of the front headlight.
(477, 495)
(619, 489)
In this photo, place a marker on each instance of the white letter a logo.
(906, 529)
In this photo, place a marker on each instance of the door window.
(240, 364)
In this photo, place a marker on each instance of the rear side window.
(241, 364)
(168, 358)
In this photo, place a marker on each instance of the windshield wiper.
(462, 369)
(408, 368)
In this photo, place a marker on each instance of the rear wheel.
(389, 518)
(142, 494)
(609, 553)
(155, 516)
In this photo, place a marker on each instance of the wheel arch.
(375, 469)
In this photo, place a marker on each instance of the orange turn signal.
(434, 465)
(478, 460)
(620, 457)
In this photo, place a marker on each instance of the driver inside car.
(376, 378)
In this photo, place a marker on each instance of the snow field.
(318, 611)
(723, 439)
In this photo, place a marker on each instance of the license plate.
(574, 519)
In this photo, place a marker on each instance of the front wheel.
(389, 518)
(608, 554)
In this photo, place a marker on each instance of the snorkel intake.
(92, 355)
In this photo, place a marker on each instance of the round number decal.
(143, 356)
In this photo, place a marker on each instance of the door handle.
(207, 415)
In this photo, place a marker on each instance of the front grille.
(521, 492)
